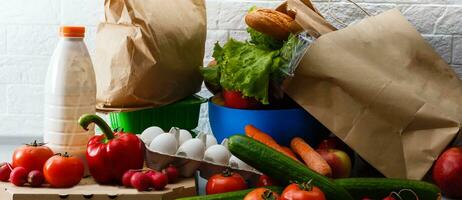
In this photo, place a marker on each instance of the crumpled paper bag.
(149, 52)
(381, 88)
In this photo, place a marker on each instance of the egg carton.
(202, 153)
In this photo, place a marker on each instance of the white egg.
(184, 136)
(164, 143)
(237, 163)
(210, 141)
(193, 148)
(217, 154)
(150, 133)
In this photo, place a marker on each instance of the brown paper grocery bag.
(380, 87)
(149, 52)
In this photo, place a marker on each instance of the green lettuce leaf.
(218, 52)
(249, 67)
(263, 41)
(246, 68)
(211, 75)
(286, 54)
(288, 48)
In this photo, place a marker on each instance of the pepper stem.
(86, 119)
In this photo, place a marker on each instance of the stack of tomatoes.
(229, 181)
(34, 163)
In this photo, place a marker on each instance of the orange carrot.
(311, 158)
(259, 135)
(288, 151)
(266, 139)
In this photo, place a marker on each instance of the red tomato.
(225, 182)
(63, 171)
(303, 191)
(265, 180)
(262, 194)
(31, 156)
(234, 99)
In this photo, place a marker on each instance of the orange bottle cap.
(72, 31)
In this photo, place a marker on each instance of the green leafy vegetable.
(211, 75)
(287, 54)
(263, 41)
(217, 52)
(288, 48)
(249, 67)
(246, 68)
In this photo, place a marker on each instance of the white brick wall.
(28, 35)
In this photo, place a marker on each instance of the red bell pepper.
(110, 155)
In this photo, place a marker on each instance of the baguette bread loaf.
(270, 22)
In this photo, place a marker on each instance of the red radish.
(150, 172)
(140, 181)
(159, 180)
(35, 178)
(172, 173)
(18, 176)
(126, 178)
(5, 171)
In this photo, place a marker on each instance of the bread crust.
(270, 22)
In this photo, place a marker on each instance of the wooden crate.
(88, 189)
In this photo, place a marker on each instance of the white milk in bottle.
(70, 91)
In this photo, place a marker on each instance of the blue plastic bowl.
(281, 124)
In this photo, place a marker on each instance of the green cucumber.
(231, 195)
(281, 167)
(378, 188)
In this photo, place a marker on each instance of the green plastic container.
(183, 114)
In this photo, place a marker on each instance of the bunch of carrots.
(298, 146)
